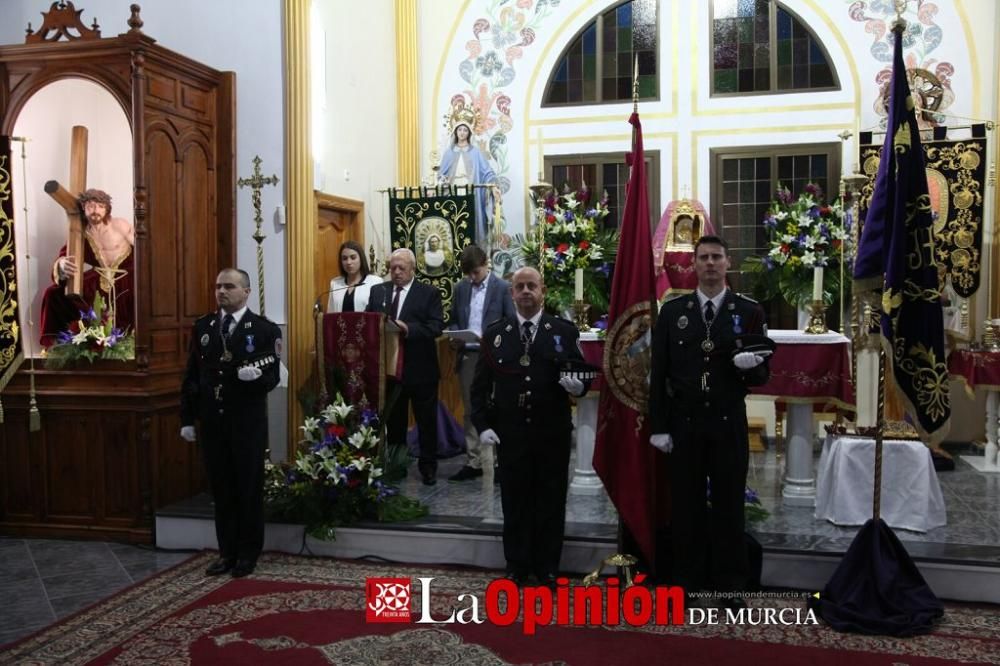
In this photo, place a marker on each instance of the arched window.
(759, 46)
(598, 64)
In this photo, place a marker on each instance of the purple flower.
(64, 338)
(824, 230)
(592, 212)
(750, 496)
(604, 268)
(602, 323)
(769, 263)
(814, 212)
(369, 417)
(770, 222)
(784, 196)
(813, 190)
(568, 216)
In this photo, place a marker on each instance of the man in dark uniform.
(232, 366)
(520, 402)
(698, 384)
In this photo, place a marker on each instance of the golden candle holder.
(581, 313)
(817, 318)
(991, 335)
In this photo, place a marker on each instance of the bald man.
(416, 308)
(521, 405)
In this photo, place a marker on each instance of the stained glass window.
(598, 64)
(760, 46)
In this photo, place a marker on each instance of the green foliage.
(569, 235)
(93, 336)
(335, 479)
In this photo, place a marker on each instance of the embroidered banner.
(956, 172)
(436, 223)
(353, 360)
(10, 338)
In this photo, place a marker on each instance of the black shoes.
(244, 568)
(519, 577)
(466, 473)
(429, 478)
(220, 566)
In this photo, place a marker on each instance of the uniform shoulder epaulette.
(674, 297)
(204, 317)
(746, 298)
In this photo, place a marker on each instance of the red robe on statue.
(59, 311)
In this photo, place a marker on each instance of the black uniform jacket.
(684, 375)
(212, 391)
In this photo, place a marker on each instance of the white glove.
(187, 434)
(747, 360)
(488, 438)
(572, 385)
(663, 442)
(248, 373)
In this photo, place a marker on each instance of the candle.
(541, 157)
(818, 283)
(578, 292)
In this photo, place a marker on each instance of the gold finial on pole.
(635, 85)
(256, 182)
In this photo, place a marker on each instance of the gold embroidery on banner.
(9, 329)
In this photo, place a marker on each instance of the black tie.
(526, 334)
(709, 312)
(227, 323)
(394, 308)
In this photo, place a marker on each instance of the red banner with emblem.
(356, 356)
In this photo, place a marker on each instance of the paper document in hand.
(463, 335)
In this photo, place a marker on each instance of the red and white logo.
(388, 599)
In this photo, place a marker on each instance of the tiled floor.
(42, 581)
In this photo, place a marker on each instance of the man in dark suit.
(520, 402)
(698, 384)
(416, 308)
(477, 301)
(232, 366)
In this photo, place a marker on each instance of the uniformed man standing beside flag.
(232, 366)
(520, 403)
(699, 379)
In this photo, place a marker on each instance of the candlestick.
(818, 283)
(541, 157)
(578, 291)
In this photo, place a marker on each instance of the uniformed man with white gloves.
(698, 384)
(232, 366)
(521, 405)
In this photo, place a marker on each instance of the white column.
(989, 462)
(585, 480)
(800, 477)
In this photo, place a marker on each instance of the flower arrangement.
(336, 478)
(569, 235)
(805, 233)
(94, 335)
(753, 510)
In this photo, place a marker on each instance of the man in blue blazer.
(416, 308)
(477, 301)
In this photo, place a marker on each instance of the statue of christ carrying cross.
(107, 264)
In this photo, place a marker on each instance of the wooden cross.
(68, 199)
(256, 183)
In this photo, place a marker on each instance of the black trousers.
(424, 397)
(233, 450)
(708, 548)
(534, 475)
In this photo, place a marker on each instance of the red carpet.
(311, 611)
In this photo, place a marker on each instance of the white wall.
(229, 35)
(360, 110)
(47, 120)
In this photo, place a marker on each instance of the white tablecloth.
(911, 494)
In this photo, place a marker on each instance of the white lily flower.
(808, 259)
